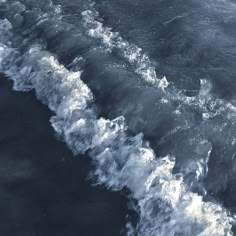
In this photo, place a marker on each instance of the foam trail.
(133, 54)
(165, 204)
(145, 68)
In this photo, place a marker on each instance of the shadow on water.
(43, 187)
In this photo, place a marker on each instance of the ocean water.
(146, 91)
(44, 189)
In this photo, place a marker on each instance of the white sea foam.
(112, 40)
(5, 49)
(165, 203)
(144, 67)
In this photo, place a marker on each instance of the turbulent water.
(146, 89)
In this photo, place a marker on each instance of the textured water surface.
(146, 89)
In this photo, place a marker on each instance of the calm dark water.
(44, 188)
(146, 91)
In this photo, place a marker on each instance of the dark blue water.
(146, 90)
(44, 188)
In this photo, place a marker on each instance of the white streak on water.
(112, 40)
(145, 68)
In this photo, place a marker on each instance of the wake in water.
(170, 197)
